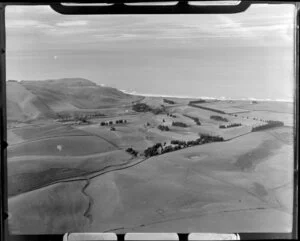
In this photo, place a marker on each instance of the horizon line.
(204, 97)
(170, 96)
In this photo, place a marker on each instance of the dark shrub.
(163, 128)
(157, 111)
(169, 101)
(194, 104)
(132, 151)
(195, 119)
(167, 149)
(197, 101)
(218, 118)
(230, 126)
(180, 124)
(129, 149)
(269, 124)
(141, 107)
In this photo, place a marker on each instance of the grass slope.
(22, 105)
(76, 93)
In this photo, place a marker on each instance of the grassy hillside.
(29, 100)
(23, 105)
(66, 94)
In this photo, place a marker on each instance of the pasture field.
(32, 172)
(194, 188)
(49, 210)
(42, 131)
(232, 106)
(82, 178)
(287, 118)
(70, 146)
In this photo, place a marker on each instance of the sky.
(244, 55)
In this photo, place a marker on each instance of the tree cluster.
(107, 123)
(193, 104)
(158, 148)
(218, 118)
(121, 121)
(197, 101)
(153, 150)
(180, 124)
(230, 125)
(195, 119)
(171, 115)
(141, 107)
(132, 151)
(78, 116)
(169, 101)
(269, 124)
(163, 128)
(157, 111)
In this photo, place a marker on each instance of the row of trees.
(230, 125)
(193, 104)
(248, 117)
(269, 124)
(178, 123)
(171, 115)
(197, 101)
(195, 119)
(159, 148)
(169, 101)
(78, 116)
(107, 123)
(218, 118)
(142, 107)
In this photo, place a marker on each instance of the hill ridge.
(44, 98)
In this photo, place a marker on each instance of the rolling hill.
(22, 105)
(28, 100)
